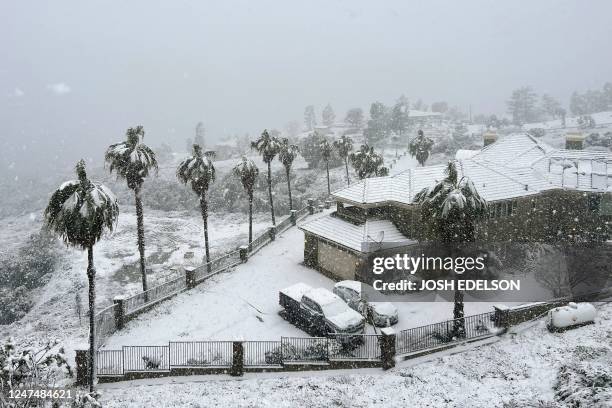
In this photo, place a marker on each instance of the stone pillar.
(294, 217)
(244, 253)
(237, 359)
(502, 316)
(321, 206)
(81, 364)
(272, 232)
(387, 348)
(190, 278)
(119, 311)
(328, 204)
(311, 206)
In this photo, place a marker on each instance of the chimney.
(489, 137)
(574, 140)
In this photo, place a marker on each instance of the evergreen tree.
(420, 147)
(399, 117)
(79, 211)
(354, 117)
(368, 163)
(268, 147)
(550, 106)
(440, 107)
(310, 151)
(132, 160)
(199, 171)
(326, 154)
(378, 125)
(328, 116)
(343, 146)
(522, 106)
(310, 119)
(286, 155)
(450, 209)
(248, 172)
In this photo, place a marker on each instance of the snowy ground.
(243, 303)
(519, 370)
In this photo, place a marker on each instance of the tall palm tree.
(344, 145)
(268, 147)
(420, 147)
(199, 171)
(451, 209)
(286, 155)
(368, 163)
(78, 212)
(248, 172)
(132, 160)
(326, 154)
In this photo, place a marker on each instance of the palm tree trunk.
(204, 210)
(327, 169)
(289, 188)
(458, 314)
(141, 241)
(250, 218)
(270, 193)
(348, 180)
(91, 276)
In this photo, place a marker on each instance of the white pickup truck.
(320, 312)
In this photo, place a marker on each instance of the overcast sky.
(75, 74)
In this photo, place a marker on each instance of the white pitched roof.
(352, 236)
(514, 166)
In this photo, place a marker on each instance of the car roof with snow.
(296, 291)
(351, 284)
(322, 296)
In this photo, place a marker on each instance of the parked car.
(382, 314)
(320, 312)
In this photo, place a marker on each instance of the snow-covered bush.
(31, 367)
(26, 270)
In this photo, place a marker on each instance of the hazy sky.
(75, 74)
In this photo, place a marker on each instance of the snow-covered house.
(534, 192)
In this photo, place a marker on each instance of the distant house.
(417, 117)
(534, 192)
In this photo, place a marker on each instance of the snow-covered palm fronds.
(326, 149)
(287, 153)
(344, 145)
(80, 210)
(247, 171)
(420, 147)
(368, 163)
(267, 146)
(196, 170)
(132, 159)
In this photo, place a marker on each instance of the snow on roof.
(463, 154)
(412, 113)
(514, 166)
(353, 236)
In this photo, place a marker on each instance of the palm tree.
(368, 163)
(420, 147)
(451, 209)
(78, 212)
(326, 153)
(248, 172)
(133, 160)
(200, 172)
(267, 146)
(344, 146)
(287, 154)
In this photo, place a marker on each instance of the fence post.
(81, 363)
(190, 280)
(237, 359)
(119, 311)
(272, 232)
(328, 204)
(321, 206)
(311, 206)
(293, 217)
(387, 348)
(502, 316)
(244, 253)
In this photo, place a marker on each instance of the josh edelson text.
(459, 265)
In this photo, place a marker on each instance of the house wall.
(340, 264)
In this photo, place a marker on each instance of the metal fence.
(105, 324)
(301, 213)
(217, 265)
(146, 358)
(154, 295)
(262, 353)
(260, 241)
(201, 354)
(109, 362)
(438, 334)
(362, 347)
(305, 349)
(284, 225)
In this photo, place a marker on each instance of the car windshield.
(334, 308)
